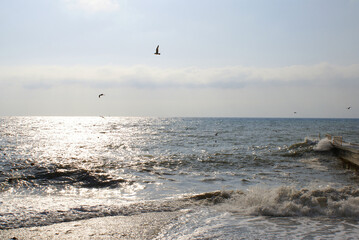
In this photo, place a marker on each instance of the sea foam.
(323, 145)
(287, 201)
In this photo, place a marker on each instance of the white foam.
(287, 201)
(212, 224)
(323, 145)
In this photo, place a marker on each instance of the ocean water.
(233, 178)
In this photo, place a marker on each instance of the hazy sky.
(219, 58)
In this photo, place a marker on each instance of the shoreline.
(140, 226)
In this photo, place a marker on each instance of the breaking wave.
(288, 201)
(298, 149)
(307, 146)
(283, 201)
(323, 145)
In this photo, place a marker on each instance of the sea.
(231, 178)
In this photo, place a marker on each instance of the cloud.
(140, 76)
(93, 5)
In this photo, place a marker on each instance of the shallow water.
(277, 179)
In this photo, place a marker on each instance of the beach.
(141, 226)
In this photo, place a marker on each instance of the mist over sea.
(232, 178)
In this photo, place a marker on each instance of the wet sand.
(141, 226)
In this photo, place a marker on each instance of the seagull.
(101, 95)
(349, 107)
(157, 52)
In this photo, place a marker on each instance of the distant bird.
(295, 112)
(101, 95)
(157, 50)
(349, 108)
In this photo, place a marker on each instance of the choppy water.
(271, 178)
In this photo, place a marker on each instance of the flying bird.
(349, 107)
(157, 50)
(295, 112)
(101, 95)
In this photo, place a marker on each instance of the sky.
(227, 58)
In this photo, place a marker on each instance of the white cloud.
(321, 90)
(93, 5)
(151, 77)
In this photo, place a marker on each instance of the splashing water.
(323, 145)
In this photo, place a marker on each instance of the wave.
(257, 201)
(42, 217)
(307, 142)
(287, 201)
(10, 220)
(307, 146)
(298, 149)
(323, 145)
